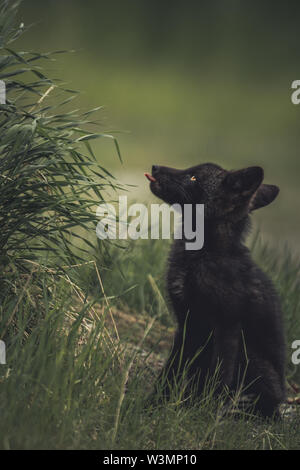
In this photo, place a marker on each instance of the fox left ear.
(245, 181)
(265, 194)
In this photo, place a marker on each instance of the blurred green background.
(191, 81)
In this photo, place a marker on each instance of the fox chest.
(204, 286)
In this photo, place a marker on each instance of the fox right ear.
(265, 194)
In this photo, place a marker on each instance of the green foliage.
(284, 271)
(50, 180)
(135, 276)
(73, 385)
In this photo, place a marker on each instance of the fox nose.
(155, 169)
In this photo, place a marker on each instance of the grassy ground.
(78, 376)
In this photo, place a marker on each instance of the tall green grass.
(50, 180)
(284, 270)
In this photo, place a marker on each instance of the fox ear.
(265, 194)
(245, 181)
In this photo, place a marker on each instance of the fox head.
(230, 195)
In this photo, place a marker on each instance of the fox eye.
(193, 178)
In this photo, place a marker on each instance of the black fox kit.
(225, 306)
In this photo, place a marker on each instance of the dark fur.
(222, 299)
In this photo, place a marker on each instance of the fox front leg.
(226, 345)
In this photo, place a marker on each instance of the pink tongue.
(150, 177)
